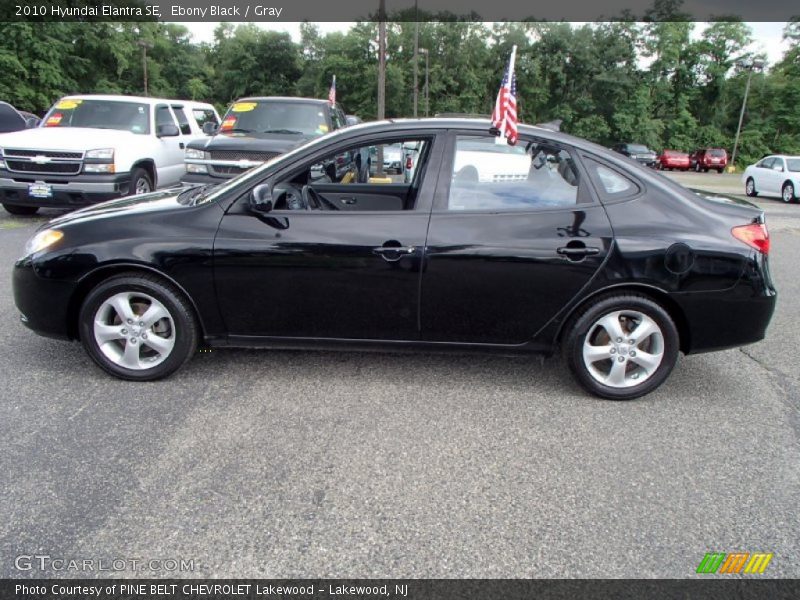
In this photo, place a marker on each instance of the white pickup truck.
(93, 148)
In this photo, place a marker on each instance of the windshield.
(638, 148)
(10, 119)
(793, 164)
(100, 114)
(275, 117)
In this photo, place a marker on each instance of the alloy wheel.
(788, 192)
(134, 330)
(623, 348)
(142, 186)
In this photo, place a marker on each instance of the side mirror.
(167, 130)
(31, 122)
(209, 128)
(261, 198)
(778, 168)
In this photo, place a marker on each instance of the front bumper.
(43, 303)
(68, 192)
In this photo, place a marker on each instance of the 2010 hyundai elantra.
(551, 244)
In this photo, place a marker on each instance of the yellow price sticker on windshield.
(68, 104)
(243, 106)
(323, 128)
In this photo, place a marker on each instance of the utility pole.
(416, 56)
(427, 54)
(751, 65)
(381, 76)
(144, 45)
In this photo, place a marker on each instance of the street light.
(750, 65)
(427, 71)
(144, 45)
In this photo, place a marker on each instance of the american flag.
(504, 117)
(332, 93)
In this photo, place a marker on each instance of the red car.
(672, 159)
(704, 159)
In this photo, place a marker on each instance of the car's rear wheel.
(787, 192)
(141, 182)
(750, 187)
(18, 209)
(622, 346)
(138, 327)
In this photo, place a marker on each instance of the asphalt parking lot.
(323, 464)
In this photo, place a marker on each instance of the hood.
(161, 200)
(76, 139)
(256, 142)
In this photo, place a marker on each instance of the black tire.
(788, 190)
(750, 187)
(583, 324)
(140, 179)
(186, 329)
(19, 209)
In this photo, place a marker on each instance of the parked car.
(672, 159)
(576, 258)
(12, 119)
(255, 130)
(93, 148)
(704, 159)
(775, 175)
(638, 152)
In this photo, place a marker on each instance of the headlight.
(42, 240)
(192, 168)
(98, 168)
(107, 153)
(196, 154)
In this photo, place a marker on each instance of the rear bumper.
(71, 192)
(730, 318)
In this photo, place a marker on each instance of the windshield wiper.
(286, 131)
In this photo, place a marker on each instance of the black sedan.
(552, 244)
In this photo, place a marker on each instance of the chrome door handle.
(394, 253)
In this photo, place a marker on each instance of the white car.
(91, 148)
(775, 175)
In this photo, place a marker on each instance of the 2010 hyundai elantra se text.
(553, 243)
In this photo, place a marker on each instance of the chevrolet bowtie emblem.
(40, 159)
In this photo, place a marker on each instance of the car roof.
(284, 99)
(142, 99)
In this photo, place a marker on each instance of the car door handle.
(348, 200)
(393, 253)
(575, 252)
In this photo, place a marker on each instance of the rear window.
(637, 148)
(793, 164)
(253, 116)
(183, 121)
(718, 152)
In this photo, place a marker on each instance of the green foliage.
(651, 82)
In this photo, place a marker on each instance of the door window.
(164, 116)
(370, 177)
(767, 163)
(183, 121)
(610, 182)
(498, 177)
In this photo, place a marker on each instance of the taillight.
(754, 235)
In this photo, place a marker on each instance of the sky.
(767, 36)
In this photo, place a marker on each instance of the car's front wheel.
(622, 346)
(141, 182)
(750, 187)
(138, 327)
(19, 209)
(787, 192)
